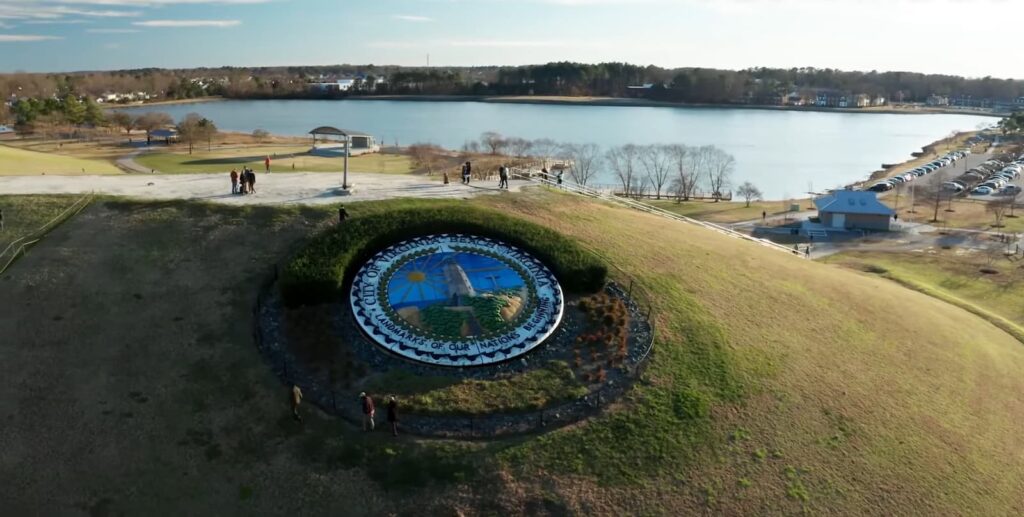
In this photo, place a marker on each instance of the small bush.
(318, 273)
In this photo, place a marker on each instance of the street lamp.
(344, 180)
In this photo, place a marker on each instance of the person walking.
(559, 177)
(368, 411)
(243, 180)
(764, 215)
(296, 400)
(445, 174)
(234, 181)
(342, 214)
(503, 177)
(252, 181)
(469, 172)
(393, 415)
(266, 163)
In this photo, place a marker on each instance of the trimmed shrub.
(318, 272)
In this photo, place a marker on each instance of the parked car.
(1010, 190)
(881, 186)
(982, 191)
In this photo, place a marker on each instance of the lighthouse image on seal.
(455, 294)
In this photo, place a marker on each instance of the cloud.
(147, 3)
(112, 31)
(188, 23)
(56, 22)
(30, 11)
(412, 18)
(19, 38)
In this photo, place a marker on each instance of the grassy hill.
(834, 390)
(778, 385)
(15, 161)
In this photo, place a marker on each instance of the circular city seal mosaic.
(456, 300)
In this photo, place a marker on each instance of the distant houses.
(346, 84)
(122, 98)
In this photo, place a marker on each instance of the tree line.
(693, 85)
(676, 171)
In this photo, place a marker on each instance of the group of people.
(243, 182)
(370, 411)
(366, 405)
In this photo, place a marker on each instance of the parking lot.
(998, 175)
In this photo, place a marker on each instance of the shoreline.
(585, 101)
(200, 100)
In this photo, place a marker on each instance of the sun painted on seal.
(457, 294)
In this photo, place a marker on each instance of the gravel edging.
(317, 388)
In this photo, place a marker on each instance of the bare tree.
(544, 149)
(152, 121)
(720, 167)
(749, 192)
(471, 147)
(261, 135)
(194, 127)
(519, 147)
(657, 163)
(494, 142)
(125, 121)
(998, 208)
(426, 156)
(687, 176)
(623, 162)
(1013, 205)
(583, 161)
(935, 193)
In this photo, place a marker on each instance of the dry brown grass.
(853, 395)
(877, 397)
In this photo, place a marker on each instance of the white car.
(981, 191)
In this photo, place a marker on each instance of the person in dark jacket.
(252, 181)
(393, 415)
(503, 177)
(368, 411)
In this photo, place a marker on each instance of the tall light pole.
(344, 180)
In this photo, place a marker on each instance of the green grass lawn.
(283, 158)
(24, 215)
(16, 162)
(726, 212)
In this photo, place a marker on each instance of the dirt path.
(271, 189)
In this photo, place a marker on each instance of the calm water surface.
(783, 152)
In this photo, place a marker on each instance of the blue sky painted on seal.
(942, 36)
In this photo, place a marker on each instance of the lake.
(784, 153)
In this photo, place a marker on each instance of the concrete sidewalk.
(271, 189)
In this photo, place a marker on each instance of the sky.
(960, 37)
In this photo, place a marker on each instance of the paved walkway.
(127, 162)
(271, 189)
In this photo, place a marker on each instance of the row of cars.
(993, 177)
(928, 168)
